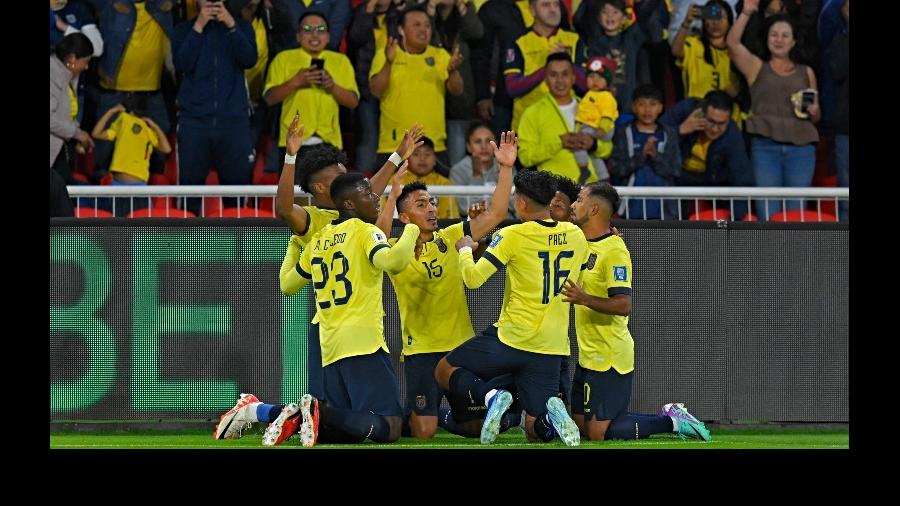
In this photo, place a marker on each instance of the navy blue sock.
(335, 436)
(268, 412)
(635, 426)
(405, 429)
(446, 422)
(543, 427)
(464, 383)
(355, 424)
(510, 420)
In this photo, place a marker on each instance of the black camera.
(711, 11)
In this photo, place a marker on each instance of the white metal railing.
(250, 194)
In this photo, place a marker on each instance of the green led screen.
(168, 322)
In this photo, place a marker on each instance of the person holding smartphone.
(211, 52)
(314, 81)
(704, 59)
(784, 135)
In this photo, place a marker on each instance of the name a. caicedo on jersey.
(336, 239)
(556, 239)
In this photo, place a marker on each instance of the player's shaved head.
(606, 195)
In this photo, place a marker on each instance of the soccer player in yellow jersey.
(319, 166)
(530, 337)
(345, 262)
(601, 388)
(431, 290)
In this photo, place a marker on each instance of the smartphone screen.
(318, 63)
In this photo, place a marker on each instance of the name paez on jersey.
(620, 273)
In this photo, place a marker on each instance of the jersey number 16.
(559, 274)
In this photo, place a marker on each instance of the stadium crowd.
(655, 92)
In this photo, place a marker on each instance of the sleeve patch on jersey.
(496, 240)
(510, 55)
(620, 273)
(379, 237)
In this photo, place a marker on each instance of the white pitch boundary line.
(523, 446)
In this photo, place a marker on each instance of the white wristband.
(395, 159)
(465, 249)
(290, 159)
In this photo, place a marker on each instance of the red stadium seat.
(156, 212)
(239, 212)
(711, 215)
(804, 215)
(749, 217)
(90, 212)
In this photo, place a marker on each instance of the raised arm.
(163, 147)
(386, 218)
(378, 83)
(295, 216)
(455, 80)
(678, 43)
(408, 144)
(505, 154)
(748, 63)
(99, 131)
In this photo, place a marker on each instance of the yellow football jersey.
(318, 108)
(415, 95)
(431, 296)
(539, 256)
(338, 260)
(135, 141)
(603, 339)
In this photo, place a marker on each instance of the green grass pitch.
(724, 437)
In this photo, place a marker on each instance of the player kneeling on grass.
(345, 262)
(601, 388)
(432, 299)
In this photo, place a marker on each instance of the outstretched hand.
(397, 179)
(506, 153)
(294, 135)
(411, 141)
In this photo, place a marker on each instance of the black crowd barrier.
(172, 319)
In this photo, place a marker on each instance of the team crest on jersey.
(591, 261)
(420, 401)
(378, 236)
(71, 19)
(440, 245)
(496, 240)
(620, 273)
(429, 61)
(136, 129)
